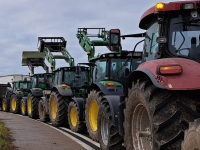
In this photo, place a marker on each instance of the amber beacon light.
(159, 6)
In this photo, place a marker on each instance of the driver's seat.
(194, 50)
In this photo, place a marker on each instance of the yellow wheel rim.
(23, 107)
(13, 103)
(73, 117)
(54, 108)
(4, 106)
(29, 104)
(93, 112)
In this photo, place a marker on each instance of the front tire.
(73, 118)
(14, 104)
(58, 106)
(32, 106)
(153, 119)
(44, 117)
(91, 113)
(23, 107)
(109, 137)
(192, 136)
(6, 105)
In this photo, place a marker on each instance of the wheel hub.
(54, 108)
(141, 133)
(23, 107)
(4, 106)
(13, 103)
(73, 117)
(29, 103)
(93, 112)
(104, 130)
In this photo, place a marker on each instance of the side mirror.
(114, 37)
(161, 40)
(8, 84)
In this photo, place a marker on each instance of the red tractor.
(162, 94)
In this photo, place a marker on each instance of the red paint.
(189, 79)
(171, 6)
(115, 31)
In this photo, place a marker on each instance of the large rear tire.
(109, 137)
(14, 104)
(91, 113)
(23, 107)
(32, 106)
(153, 119)
(192, 136)
(6, 105)
(73, 118)
(58, 106)
(44, 117)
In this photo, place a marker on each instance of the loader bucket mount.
(34, 59)
(54, 44)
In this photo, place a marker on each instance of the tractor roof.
(123, 54)
(171, 6)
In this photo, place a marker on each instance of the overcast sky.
(23, 21)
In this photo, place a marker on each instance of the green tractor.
(108, 71)
(68, 82)
(20, 90)
(40, 83)
(13, 99)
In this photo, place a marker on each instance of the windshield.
(34, 81)
(99, 70)
(25, 85)
(71, 78)
(120, 65)
(184, 36)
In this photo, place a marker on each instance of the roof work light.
(159, 6)
(187, 6)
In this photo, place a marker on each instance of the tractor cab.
(43, 81)
(115, 66)
(76, 77)
(22, 86)
(173, 32)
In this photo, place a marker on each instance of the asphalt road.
(29, 134)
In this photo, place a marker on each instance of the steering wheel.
(179, 51)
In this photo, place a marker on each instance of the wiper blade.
(189, 21)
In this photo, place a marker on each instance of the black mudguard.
(81, 107)
(35, 93)
(117, 106)
(19, 96)
(107, 90)
(63, 92)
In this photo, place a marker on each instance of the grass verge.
(5, 138)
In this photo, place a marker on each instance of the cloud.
(23, 21)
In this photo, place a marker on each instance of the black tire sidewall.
(102, 113)
(25, 105)
(135, 98)
(17, 110)
(73, 128)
